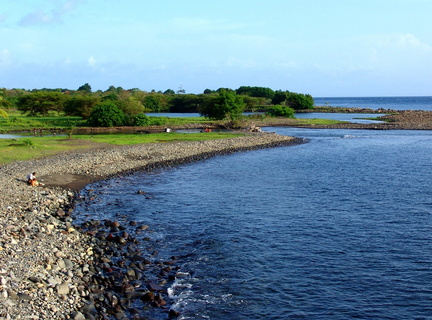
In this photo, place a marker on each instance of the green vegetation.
(31, 148)
(38, 147)
(106, 114)
(227, 105)
(300, 122)
(297, 101)
(221, 104)
(130, 139)
(281, 111)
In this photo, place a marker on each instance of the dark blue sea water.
(336, 228)
(396, 103)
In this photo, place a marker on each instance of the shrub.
(106, 114)
(300, 101)
(281, 111)
(142, 120)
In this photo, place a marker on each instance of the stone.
(61, 264)
(148, 297)
(53, 281)
(173, 314)
(68, 264)
(154, 287)
(78, 316)
(13, 296)
(63, 288)
(131, 274)
(89, 308)
(24, 296)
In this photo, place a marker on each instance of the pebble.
(55, 270)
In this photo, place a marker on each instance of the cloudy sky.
(321, 47)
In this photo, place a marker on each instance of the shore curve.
(46, 262)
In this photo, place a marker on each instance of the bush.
(226, 105)
(281, 111)
(106, 114)
(300, 101)
(142, 120)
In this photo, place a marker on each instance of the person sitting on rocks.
(31, 179)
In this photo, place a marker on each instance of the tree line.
(128, 106)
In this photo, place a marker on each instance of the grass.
(297, 121)
(12, 150)
(33, 147)
(18, 122)
(130, 139)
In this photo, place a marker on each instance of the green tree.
(227, 105)
(281, 111)
(185, 103)
(111, 89)
(106, 114)
(169, 91)
(259, 92)
(112, 96)
(279, 97)
(80, 105)
(151, 103)
(130, 106)
(40, 103)
(85, 88)
(299, 101)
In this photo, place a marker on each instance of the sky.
(326, 48)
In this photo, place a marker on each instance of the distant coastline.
(395, 103)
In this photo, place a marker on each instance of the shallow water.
(337, 228)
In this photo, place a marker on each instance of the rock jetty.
(51, 268)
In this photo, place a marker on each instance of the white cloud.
(5, 57)
(55, 15)
(92, 62)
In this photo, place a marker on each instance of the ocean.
(335, 228)
(396, 103)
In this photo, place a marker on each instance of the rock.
(61, 264)
(24, 296)
(13, 296)
(34, 279)
(60, 212)
(173, 314)
(89, 309)
(154, 287)
(148, 297)
(68, 264)
(63, 288)
(78, 316)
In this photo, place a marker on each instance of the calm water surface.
(397, 103)
(337, 228)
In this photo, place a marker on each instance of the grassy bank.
(38, 147)
(17, 122)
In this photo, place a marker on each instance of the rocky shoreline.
(392, 120)
(51, 268)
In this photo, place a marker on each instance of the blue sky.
(321, 47)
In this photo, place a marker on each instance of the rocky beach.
(391, 120)
(51, 268)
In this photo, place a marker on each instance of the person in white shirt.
(31, 179)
